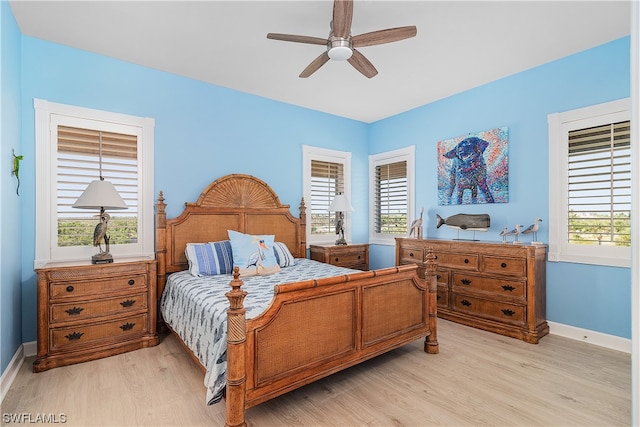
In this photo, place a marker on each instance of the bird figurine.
(515, 232)
(533, 229)
(100, 231)
(99, 234)
(503, 233)
(416, 226)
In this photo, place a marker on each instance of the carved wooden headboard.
(237, 202)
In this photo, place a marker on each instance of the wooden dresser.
(87, 312)
(354, 256)
(494, 286)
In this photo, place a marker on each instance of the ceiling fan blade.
(342, 16)
(384, 36)
(362, 64)
(315, 64)
(297, 39)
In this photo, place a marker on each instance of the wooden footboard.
(318, 327)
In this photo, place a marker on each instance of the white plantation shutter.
(599, 185)
(327, 180)
(78, 163)
(391, 197)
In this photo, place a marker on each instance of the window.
(590, 185)
(391, 188)
(326, 173)
(69, 143)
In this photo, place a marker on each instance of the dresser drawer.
(98, 307)
(494, 285)
(80, 288)
(495, 310)
(458, 260)
(443, 296)
(442, 276)
(349, 260)
(409, 255)
(73, 336)
(502, 265)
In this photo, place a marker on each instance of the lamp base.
(341, 241)
(102, 258)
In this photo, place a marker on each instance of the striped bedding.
(196, 307)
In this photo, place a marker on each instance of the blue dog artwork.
(474, 169)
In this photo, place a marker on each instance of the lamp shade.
(340, 203)
(100, 194)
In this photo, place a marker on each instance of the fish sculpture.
(472, 222)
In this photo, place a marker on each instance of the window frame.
(47, 117)
(560, 124)
(310, 153)
(403, 154)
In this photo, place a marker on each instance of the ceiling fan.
(341, 44)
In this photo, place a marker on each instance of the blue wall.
(203, 132)
(10, 218)
(590, 297)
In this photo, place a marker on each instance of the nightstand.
(354, 256)
(88, 311)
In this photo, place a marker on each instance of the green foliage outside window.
(79, 231)
(600, 229)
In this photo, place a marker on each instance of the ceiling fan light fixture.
(339, 49)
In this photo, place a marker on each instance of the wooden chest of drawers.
(497, 287)
(87, 312)
(354, 256)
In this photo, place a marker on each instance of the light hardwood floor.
(478, 378)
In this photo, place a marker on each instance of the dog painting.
(473, 169)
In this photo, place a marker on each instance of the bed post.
(161, 251)
(302, 250)
(236, 365)
(431, 342)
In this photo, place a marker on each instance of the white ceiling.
(460, 44)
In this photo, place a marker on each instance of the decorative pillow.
(253, 254)
(284, 257)
(209, 259)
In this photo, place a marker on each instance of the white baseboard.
(592, 337)
(9, 374)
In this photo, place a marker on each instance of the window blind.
(390, 198)
(78, 163)
(327, 180)
(599, 185)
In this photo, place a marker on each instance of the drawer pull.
(438, 298)
(336, 260)
(73, 311)
(508, 288)
(465, 281)
(508, 312)
(127, 326)
(128, 303)
(131, 282)
(74, 336)
(503, 265)
(438, 276)
(465, 303)
(466, 261)
(411, 254)
(70, 288)
(359, 256)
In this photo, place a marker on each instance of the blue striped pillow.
(210, 259)
(283, 255)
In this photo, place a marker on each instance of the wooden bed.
(312, 328)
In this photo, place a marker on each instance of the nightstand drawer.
(354, 256)
(76, 289)
(347, 260)
(73, 336)
(87, 309)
